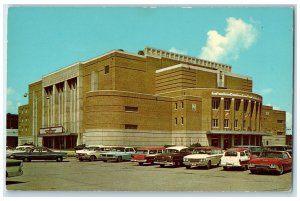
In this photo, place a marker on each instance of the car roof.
(177, 147)
(245, 146)
(236, 149)
(151, 148)
(208, 147)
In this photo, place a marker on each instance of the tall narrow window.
(227, 102)
(237, 104)
(176, 121)
(235, 123)
(176, 106)
(106, 69)
(215, 103)
(215, 123)
(182, 120)
(182, 105)
(226, 123)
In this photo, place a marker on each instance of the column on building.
(221, 114)
(253, 117)
(242, 115)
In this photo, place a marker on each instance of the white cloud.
(239, 36)
(173, 49)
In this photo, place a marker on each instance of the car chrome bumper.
(166, 163)
(195, 164)
(139, 161)
(230, 164)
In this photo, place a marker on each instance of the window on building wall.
(237, 104)
(215, 103)
(176, 106)
(182, 120)
(131, 109)
(106, 69)
(280, 121)
(226, 123)
(215, 123)
(236, 123)
(176, 121)
(227, 103)
(182, 105)
(131, 126)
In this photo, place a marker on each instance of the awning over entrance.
(60, 134)
(216, 132)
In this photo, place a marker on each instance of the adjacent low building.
(153, 98)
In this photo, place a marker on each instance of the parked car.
(254, 150)
(146, 155)
(173, 156)
(39, 153)
(9, 151)
(92, 152)
(203, 157)
(278, 148)
(271, 161)
(13, 168)
(235, 158)
(118, 154)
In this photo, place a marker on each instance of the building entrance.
(60, 142)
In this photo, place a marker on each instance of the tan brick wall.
(273, 121)
(24, 123)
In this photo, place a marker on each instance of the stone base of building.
(274, 140)
(23, 140)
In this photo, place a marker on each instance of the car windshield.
(271, 155)
(119, 149)
(202, 151)
(231, 153)
(171, 151)
(142, 151)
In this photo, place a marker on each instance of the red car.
(146, 155)
(271, 161)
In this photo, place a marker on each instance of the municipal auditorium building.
(151, 98)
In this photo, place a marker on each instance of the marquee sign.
(51, 130)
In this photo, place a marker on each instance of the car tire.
(92, 158)
(208, 166)
(253, 171)
(105, 161)
(80, 159)
(59, 159)
(162, 165)
(26, 159)
(225, 168)
(188, 167)
(281, 170)
(141, 163)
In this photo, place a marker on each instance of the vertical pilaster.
(221, 116)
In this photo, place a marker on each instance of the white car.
(203, 157)
(235, 158)
(92, 152)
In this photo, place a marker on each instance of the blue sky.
(255, 41)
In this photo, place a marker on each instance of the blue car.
(118, 154)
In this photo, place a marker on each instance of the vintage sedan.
(235, 158)
(146, 155)
(92, 152)
(173, 156)
(39, 153)
(118, 154)
(271, 161)
(203, 157)
(13, 168)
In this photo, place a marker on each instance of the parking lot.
(72, 175)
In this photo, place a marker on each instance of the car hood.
(265, 160)
(195, 156)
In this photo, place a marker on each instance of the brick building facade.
(154, 98)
